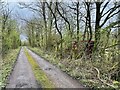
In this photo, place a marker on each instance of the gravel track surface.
(22, 75)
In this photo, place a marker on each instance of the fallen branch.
(98, 76)
(111, 46)
(114, 66)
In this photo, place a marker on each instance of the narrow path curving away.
(22, 75)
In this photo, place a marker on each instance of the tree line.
(76, 21)
(10, 36)
(68, 29)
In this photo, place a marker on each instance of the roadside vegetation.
(9, 43)
(7, 65)
(90, 73)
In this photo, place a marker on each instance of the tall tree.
(78, 28)
(119, 45)
(56, 25)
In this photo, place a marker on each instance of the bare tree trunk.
(97, 24)
(78, 21)
(66, 20)
(88, 27)
(119, 45)
(50, 24)
(33, 39)
(45, 22)
(56, 28)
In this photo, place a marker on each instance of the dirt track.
(59, 78)
(23, 77)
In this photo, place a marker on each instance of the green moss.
(40, 76)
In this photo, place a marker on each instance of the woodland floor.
(23, 77)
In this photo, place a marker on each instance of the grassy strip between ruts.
(7, 65)
(40, 76)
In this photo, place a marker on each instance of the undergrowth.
(91, 73)
(7, 64)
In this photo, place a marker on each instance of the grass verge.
(85, 71)
(40, 76)
(7, 65)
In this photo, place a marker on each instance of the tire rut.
(22, 75)
(59, 78)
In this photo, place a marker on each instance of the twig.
(98, 76)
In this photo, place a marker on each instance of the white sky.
(59, 0)
(18, 0)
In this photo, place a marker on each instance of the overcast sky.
(18, 13)
(57, 0)
(18, 0)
